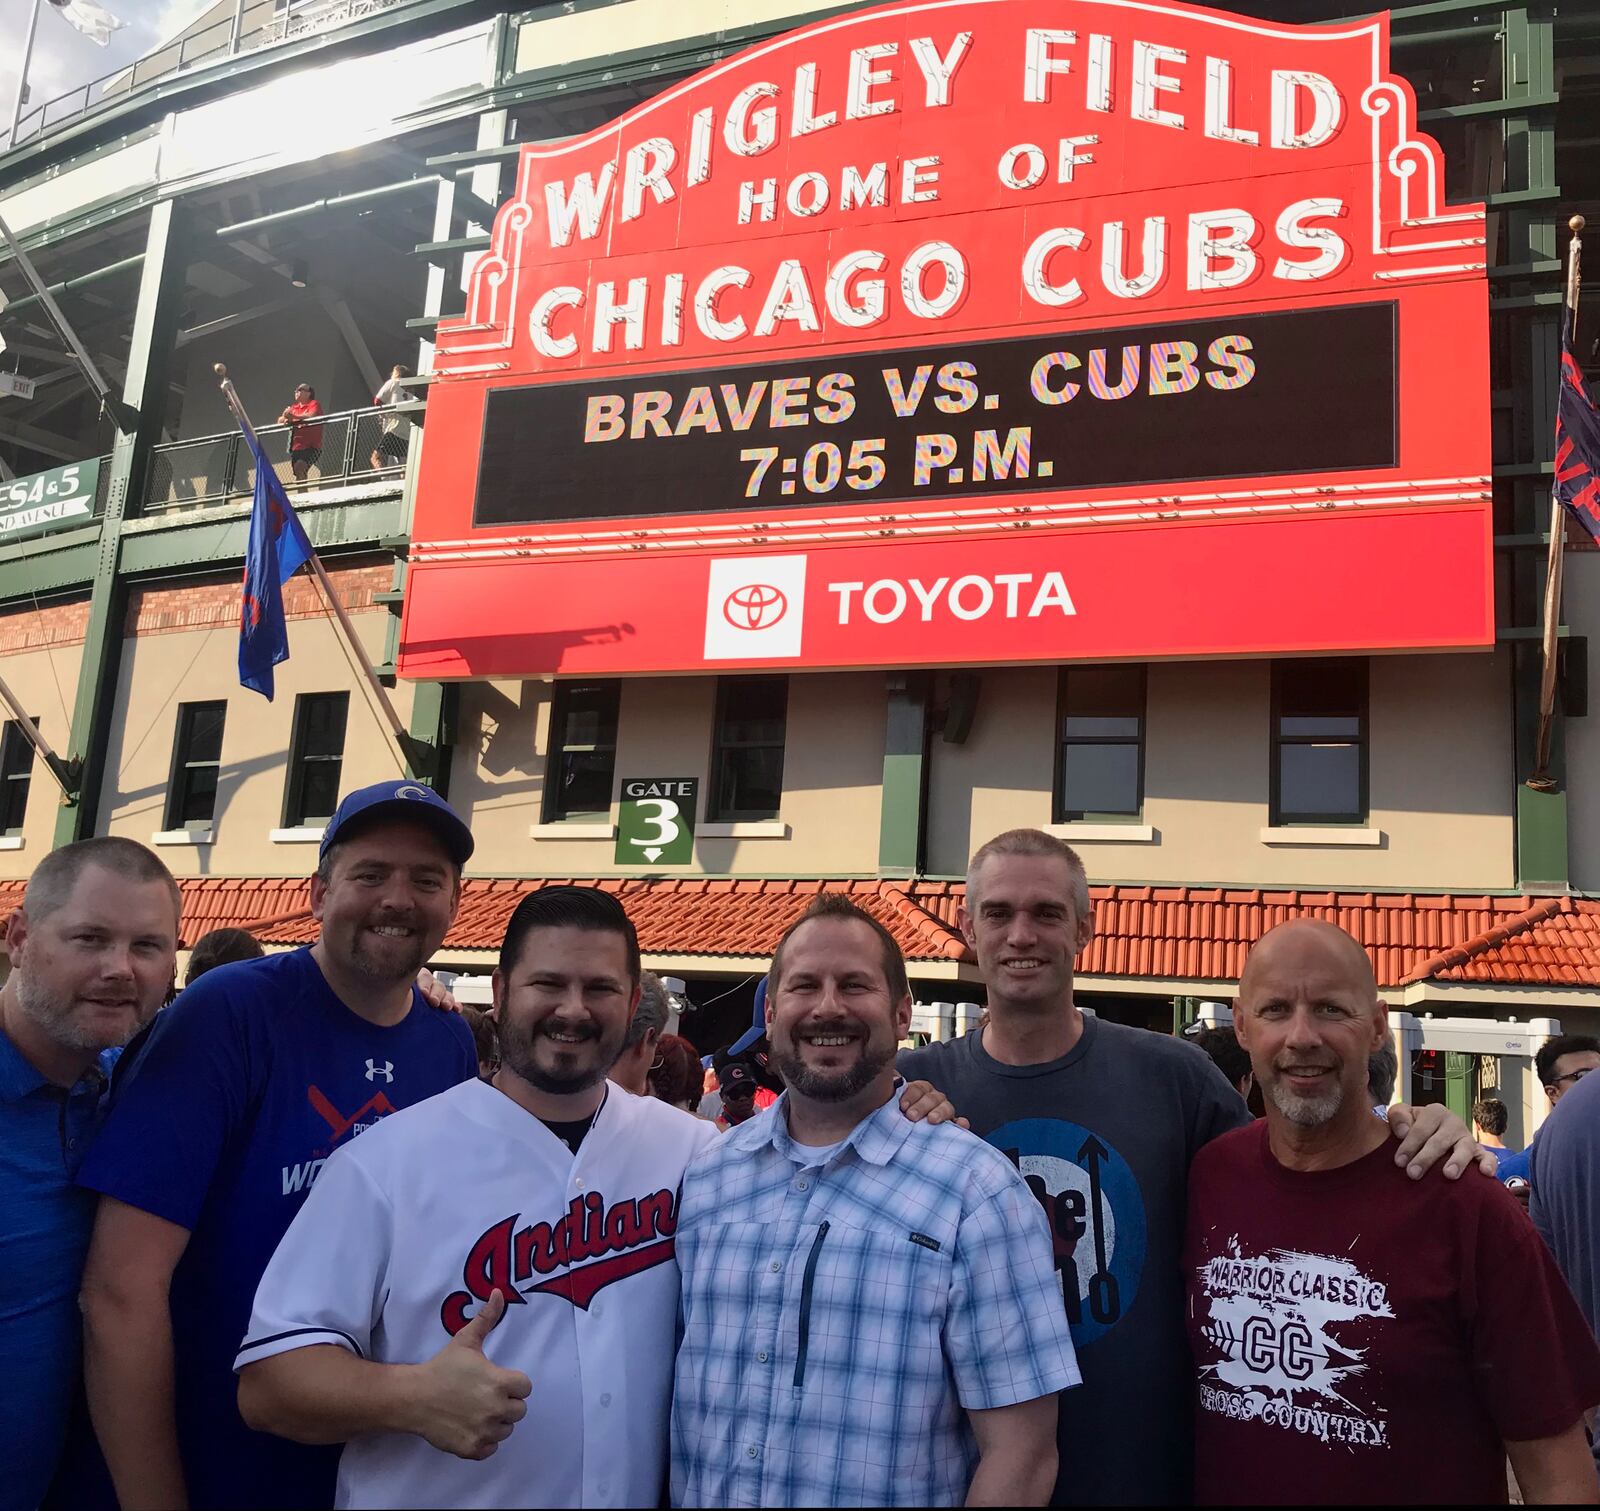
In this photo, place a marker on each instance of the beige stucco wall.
(46, 681)
(833, 765)
(1440, 790)
(160, 671)
(1580, 601)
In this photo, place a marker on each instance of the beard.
(390, 968)
(1304, 1111)
(832, 1085)
(53, 1015)
(519, 1044)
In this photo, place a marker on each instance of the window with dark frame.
(583, 750)
(1100, 743)
(1319, 741)
(316, 759)
(196, 763)
(16, 777)
(747, 750)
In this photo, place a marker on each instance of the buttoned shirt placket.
(788, 1267)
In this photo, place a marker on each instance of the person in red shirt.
(305, 436)
(1358, 1338)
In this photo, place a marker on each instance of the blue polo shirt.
(44, 1233)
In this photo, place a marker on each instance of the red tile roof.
(1556, 942)
(1204, 933)
(683, 917)
(1154, 933)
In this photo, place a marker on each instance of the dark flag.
(278, 548)
(1577, 439)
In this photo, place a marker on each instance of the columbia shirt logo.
(925, 1241)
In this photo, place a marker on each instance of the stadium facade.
(1311, 687)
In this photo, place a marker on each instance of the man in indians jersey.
(480, 1295)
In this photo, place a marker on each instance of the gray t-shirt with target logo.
(1104, 1137)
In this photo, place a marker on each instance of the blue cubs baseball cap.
(399, 800)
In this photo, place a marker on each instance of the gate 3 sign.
(968, 331)
(655, 821)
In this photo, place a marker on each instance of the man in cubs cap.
(409, 802)
(260, 1072)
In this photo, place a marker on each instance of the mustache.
(550, 1027)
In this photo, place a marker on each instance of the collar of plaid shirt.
(876, 1138)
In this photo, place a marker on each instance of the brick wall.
(207, 603)
(29, 629)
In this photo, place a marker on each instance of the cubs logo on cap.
(400, 800)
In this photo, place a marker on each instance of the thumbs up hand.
(467, 1405)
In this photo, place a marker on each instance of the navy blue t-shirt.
(250, 1080)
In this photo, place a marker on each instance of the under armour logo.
(386, 1070)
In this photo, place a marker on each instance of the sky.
(64, 59)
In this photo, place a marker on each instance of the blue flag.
(1577, 439)
(278, 549)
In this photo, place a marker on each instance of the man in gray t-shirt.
(1102, 1121)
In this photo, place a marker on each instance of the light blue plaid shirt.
(837, 1320)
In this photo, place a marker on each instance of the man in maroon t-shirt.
(1359, 1337)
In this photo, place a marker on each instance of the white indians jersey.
(412, 1226)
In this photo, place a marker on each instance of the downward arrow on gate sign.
(653, 852)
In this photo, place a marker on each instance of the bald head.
(1304, 941)
(1309, 1017)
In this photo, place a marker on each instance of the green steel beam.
(155, 325)
(1402, 13)
(220, 542)
(1542, 862)
(454, 244)
(70, 285)
(434, 704)
(902, 818)
(67, 563)
(476, 158)
(1489, 107)
(1532, 339)
(239, 230)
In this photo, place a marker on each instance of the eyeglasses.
(1573, 1075)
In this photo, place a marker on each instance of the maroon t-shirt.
(1360, 1337)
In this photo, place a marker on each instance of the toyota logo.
(755, 606)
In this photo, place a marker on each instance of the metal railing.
(208, 468)
(256, 24)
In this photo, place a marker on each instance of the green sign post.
(655, 821)
(63, 495)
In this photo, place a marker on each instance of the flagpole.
(53, 763)
(402, 736)
(22, 78)
(1541, 780)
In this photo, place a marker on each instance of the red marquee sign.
(963, 331)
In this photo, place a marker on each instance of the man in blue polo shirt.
(246, 1086)
(92, 951)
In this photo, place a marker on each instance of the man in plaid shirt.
(871, 1314)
